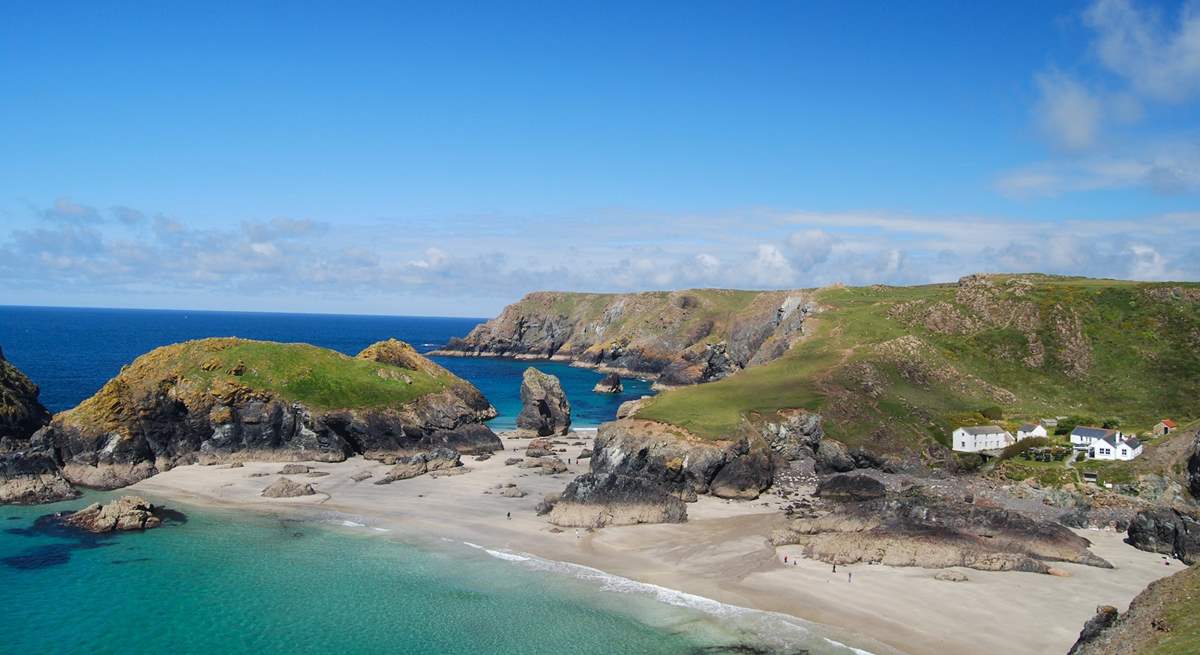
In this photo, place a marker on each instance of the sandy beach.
(720, 553)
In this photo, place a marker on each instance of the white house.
(1030, 430)
(1121, 447)
(974, 438)
(1083, 436)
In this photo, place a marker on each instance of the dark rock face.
(544, 406)
(913, 528)
(596, 500)
(1167, 531)
(32, 477)
(1106, 616)
(833, 457)
(746, 475)
(611, 383)
(851, 488)
(1193, 469)
(708, 362)
(20, 412)
(123, 514)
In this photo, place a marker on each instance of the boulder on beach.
(124, 513)
(287, 488)
(544, 406)
(294, 469)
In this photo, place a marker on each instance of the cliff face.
(232, 399)
(20, 412)
(680, 337)
(644, 472)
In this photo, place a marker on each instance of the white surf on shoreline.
(772, 628)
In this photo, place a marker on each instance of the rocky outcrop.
(641, 471)
(288, 488)
(610, 383)
(1193, 468)
(913, 528)
(231, 400)
(123, 514)
(596, 500)
(411, 466)
(1167, 531)
(1106, 616)
(850, 488)
(32, 477)
(544, 406)
(21, 414)
(682, 337)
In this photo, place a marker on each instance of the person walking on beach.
(510, 516)
(835, 568)
(849, 577)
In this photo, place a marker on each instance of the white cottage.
(1030, 430)
(974, 438)
(1119, 448)
(1083, 436)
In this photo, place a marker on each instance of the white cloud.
(1157, 59)
(770, 267)
(1066, 111)
(1138, 58)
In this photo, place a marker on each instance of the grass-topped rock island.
(230, 400)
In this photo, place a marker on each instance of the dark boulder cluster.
(1167, 531)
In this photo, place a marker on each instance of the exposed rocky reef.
(680, 337)
(123, 514)
(914, 528)
(231, 399)
(545, 409)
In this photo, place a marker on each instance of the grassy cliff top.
(895, 367)
(321, 379)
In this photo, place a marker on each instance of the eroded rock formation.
(913, 528)
(123, 514)
(545, 409)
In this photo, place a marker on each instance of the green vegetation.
(321, 379)
(898, 367)
(1182, 614)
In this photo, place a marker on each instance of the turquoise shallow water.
(226, 582)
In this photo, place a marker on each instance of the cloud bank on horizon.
(1113, 113)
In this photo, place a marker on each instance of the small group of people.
(795, 562)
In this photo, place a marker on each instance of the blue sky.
(443, 158)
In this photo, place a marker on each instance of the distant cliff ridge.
(678, 337)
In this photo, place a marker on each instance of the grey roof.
(1029, 426)
(1092, 433)
(982, 429)
(1133, 443)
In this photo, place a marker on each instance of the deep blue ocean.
(70, 353)
(247, 582)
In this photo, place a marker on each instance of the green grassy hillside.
(320, 378)
(898, 367)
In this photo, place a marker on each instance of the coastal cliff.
(21, 414)
(229, 399)
(678, 337)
